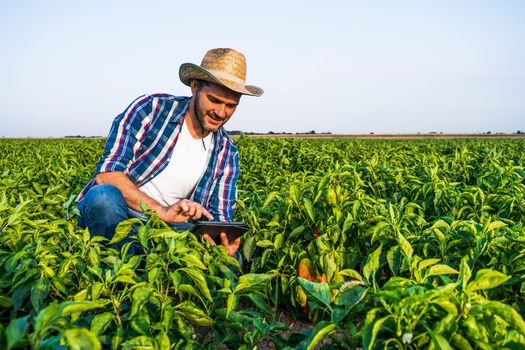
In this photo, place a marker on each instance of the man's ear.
(193, 86)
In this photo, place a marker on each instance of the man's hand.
(182, 211)
(231, 247)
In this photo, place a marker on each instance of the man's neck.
(197, 131)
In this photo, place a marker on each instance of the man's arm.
(178, 212)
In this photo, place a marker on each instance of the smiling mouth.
(215, 120)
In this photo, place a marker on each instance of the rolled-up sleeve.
(123, 136)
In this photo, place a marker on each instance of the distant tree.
(488, 133)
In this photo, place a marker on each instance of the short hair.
(202, 83)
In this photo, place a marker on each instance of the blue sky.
(404, 66)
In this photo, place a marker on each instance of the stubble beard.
(200, 116)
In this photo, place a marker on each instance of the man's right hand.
(182, 211)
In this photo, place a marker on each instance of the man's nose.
(220, 111)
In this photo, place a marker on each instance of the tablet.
(214, 229)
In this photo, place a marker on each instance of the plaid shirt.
(141, 142)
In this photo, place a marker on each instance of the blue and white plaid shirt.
(141, 141)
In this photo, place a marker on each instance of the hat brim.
(188, 71)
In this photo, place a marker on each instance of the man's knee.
(102, 208)
(104, 196)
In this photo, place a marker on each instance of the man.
(172, 153)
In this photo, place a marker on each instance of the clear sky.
(347, 66)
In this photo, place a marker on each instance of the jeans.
(104, 207)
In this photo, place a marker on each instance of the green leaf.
(96, 290)
(198, 278)
(406, 247)
(125, 279)
(338, 314)
(372, 330)
(190, 311)
(350, 297)
(423, 264)
(46, 316)
(16, 331)
(74, 307)
(459, 342)
(39, 292)
(123, 229)
(141, 324)
(372, 264)
(5, 301)
(81, 339)
(464, 273)
(100, 322)
(507, 313)
(182, 326)
(440, 269)
(265, 243)
(318, 333)
(318, 291)
(495, 225)
(348, 223)
(394, 259)
(309, 209)
(248, 247)
(139, 343)
(231, 303)
(252, 282)
(153, 275)
(20, 294)
(351, 273)
(296, 231)
(439, 342)
(294, 195)
(269, 199)
(168, 233)
(259, 302)
(192, 261)
(163, 341)
(140, 297)
(278, 241)
(487, 279)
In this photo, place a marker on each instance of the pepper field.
(372, 244)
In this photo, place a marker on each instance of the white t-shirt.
(186, 166)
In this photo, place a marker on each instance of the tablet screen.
(214, 229)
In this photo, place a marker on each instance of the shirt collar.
(182, 109)
(178, 118)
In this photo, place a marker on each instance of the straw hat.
(225, 67)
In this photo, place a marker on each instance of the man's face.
(214, 104)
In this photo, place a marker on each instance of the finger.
(191, 209)
(207, 214)
(198, 213)
(184, 207)
(209, 239)
(236, 243)
(224, 240)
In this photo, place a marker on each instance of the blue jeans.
(104, 207)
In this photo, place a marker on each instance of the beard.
(201, 117)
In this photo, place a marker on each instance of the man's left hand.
(231, 247)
